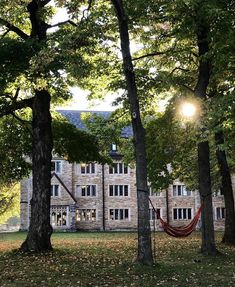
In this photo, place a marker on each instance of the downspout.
(103, 198)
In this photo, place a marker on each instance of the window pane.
(92, 168)
(126, 213)
(56, 190)
(111, 214)
(184, 213)
(116, 214)
(222, 212)
(120, 190)
(179, 191)
(83, 191)
(125, 168)
(121, 214)
(83, 168)
(174, 190)
(115, 168)
(125, 190)
(189, 213)
(111, 190)
(116, 190)
(179, 213)
(175, 214)
(88, 190)
(93, 190)
(120, 168)
(111, 170)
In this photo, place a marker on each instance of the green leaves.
(73, 144)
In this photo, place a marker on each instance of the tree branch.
(8, 110)
(15, 29)
(63, 23)
(87, 9)
(23, 122)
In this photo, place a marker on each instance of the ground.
(107, 259)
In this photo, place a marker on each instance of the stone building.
(90, 196)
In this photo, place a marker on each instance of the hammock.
(182, 231)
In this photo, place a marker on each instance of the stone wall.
(70, 197)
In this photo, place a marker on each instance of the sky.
(80, 102)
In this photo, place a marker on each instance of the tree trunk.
(208, 241)
(144, 233)
(40, 230)
(227, 191)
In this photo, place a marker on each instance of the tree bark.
(40, 230)
(208, 240)
(144, 233)
(227, 190)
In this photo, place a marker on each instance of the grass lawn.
(106, 259)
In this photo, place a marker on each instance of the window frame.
(56, 169)
(180, 213)
(220, 210)
(88, 168)
(116, 190)
(53, 190)
(118, 213)
(84, 217)
(152, 212)
(118, 168)
(179, 190)
(80, 192)
(56, 216)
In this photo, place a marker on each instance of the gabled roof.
(74, 117)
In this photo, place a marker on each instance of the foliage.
(9, 201)
(73, 144)
(106, 259)
(13, 156)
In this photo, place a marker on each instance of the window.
(55, 190)
(153, 215)
(56, 166)
(180, 190)
(59, 216)
(86, 190)
(220, 213)
(87, 168)
(119, 214)
(113, 147)
(118, 168)
(153, 192)
(217, 193)
(86, 215)
(182, 213)
(118, 190)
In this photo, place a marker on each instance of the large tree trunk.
(227, 190)
(208, 241)
(144, 232)
(40, 230)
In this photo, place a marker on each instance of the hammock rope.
(181, 231)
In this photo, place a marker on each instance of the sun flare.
(188, 110)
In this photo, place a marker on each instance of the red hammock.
(182, 231)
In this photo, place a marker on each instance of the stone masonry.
(96, 197)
